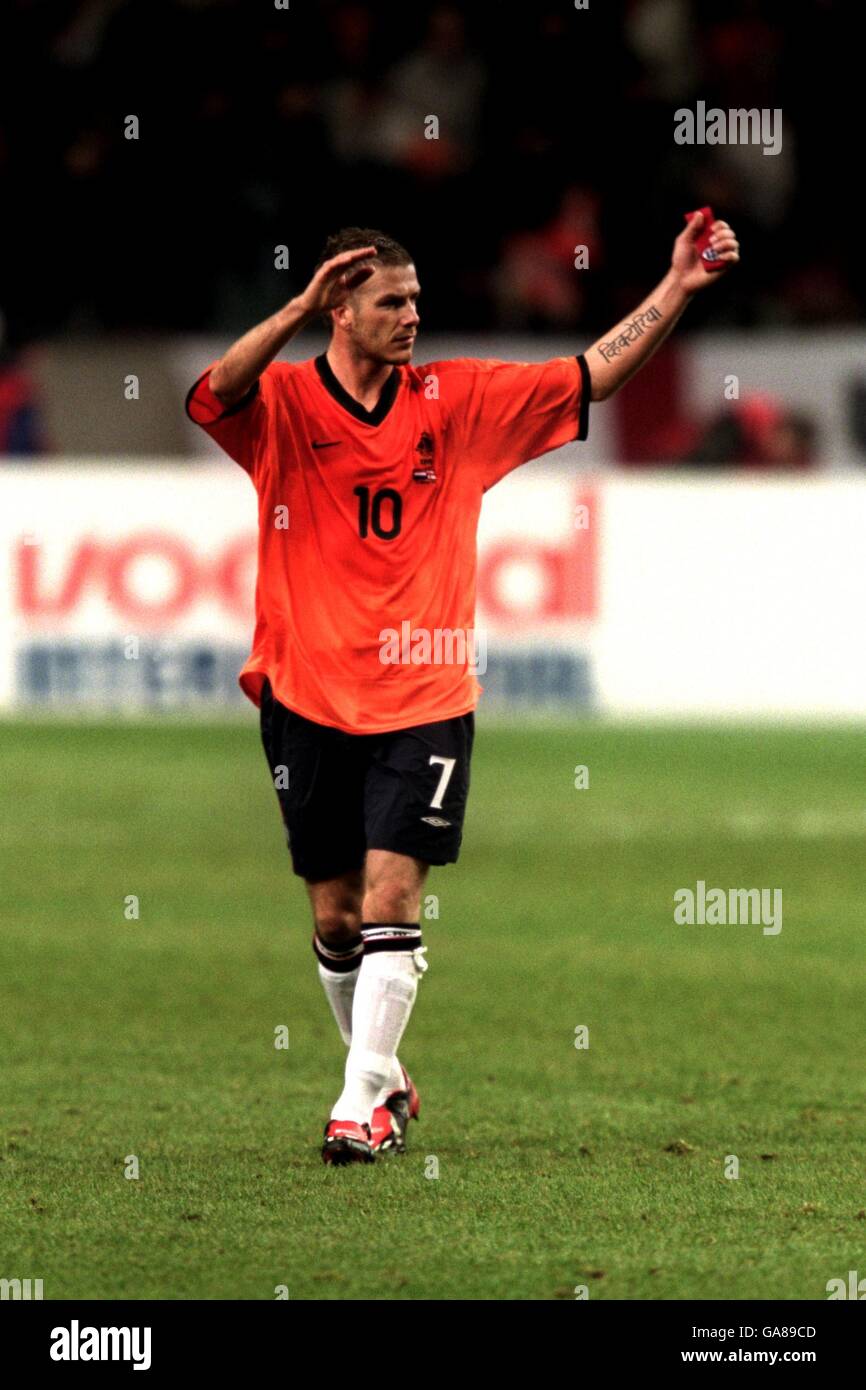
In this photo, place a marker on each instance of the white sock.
(385, 992)
(340, 992)
(395, 1082)
(338, 971)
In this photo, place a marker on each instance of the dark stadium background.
(262, 126)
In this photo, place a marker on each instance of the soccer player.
(370, 473)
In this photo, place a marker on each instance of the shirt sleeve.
(511, 412)
(240, 429)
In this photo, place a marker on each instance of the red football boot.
(391, 1119)
(347, 1142)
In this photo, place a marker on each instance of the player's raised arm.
(619, 354)
(240, 368)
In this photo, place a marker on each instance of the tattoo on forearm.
(629, 333)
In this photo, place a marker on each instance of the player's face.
(383, 314)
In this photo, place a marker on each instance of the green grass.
(155, 1037)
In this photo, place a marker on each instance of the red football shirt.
(368, 519)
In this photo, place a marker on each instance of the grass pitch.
(557, 1167)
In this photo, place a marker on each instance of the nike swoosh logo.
(325, 444)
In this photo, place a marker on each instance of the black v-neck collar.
(387, 396)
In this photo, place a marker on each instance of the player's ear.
(341, 315)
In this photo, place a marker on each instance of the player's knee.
(392, 901)
(337, 926)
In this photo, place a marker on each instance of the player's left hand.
(686, 261)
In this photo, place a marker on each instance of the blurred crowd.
(264, 124)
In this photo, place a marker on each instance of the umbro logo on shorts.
(439, 823)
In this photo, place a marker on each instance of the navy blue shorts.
(341, 794)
